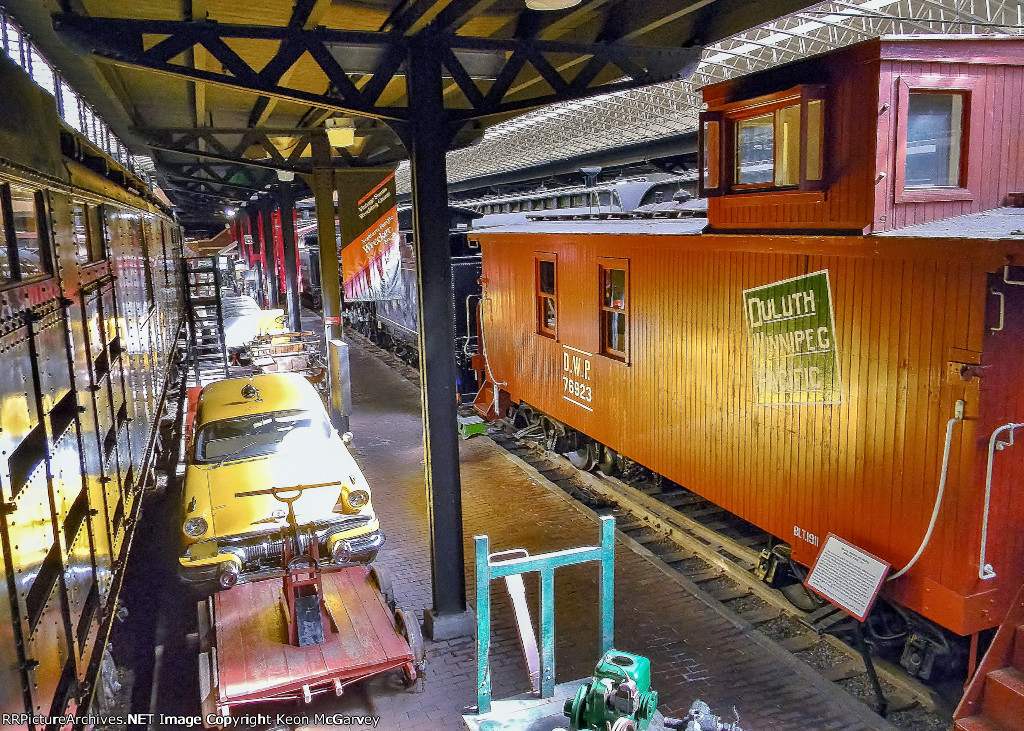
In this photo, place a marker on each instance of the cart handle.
(294, 488)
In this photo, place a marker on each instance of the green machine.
(618, 698)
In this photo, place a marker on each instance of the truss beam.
(341, 54)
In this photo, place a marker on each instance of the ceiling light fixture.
(552, 4)
(340, 133)
(285, 176)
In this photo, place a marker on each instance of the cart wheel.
(409, 628)
(381, 580)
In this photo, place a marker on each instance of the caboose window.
(934, 131)
(547, 312)
(614, 293)
(774, 142)
(935, 123)
(768, 148)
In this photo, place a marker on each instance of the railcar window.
(934, 133)
(774, 142)
(547, 312)
(754, 141)
(8, 243)
(28, 209)
(815, 140)
(88, 233)
(614, 292)
(711, 154)
(768, 148)
(97, 238)
(80, 231)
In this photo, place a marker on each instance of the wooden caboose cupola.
(873, 137)
(772, 142)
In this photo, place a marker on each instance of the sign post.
(851, 578)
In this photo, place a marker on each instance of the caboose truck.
(836, 349)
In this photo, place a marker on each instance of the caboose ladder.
(994, 699)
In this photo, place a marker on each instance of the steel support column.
(327, 234)
(257, 254)
(291, 275)
(427, 138)
(267, 235)
(252, 212)
(330, 288)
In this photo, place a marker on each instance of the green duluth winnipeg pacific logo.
(792, 341)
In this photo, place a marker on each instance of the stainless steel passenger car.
(89, 317)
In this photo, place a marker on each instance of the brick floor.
(697, 649)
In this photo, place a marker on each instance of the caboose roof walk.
(998, 223)
(664, 227)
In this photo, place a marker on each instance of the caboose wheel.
(610, 462)
(584, 458)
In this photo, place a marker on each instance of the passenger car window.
(88, 232)
(8, 251)
(934, 133)
(259, 434)
(33, 255)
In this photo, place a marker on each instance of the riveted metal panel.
(18, 416)
(51, 345)
(47, 644)
(11, 697)
(79, 580)
(17, 420)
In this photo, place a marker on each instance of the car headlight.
(195, 527)
(358, 498)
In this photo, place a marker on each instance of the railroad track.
(716, 552)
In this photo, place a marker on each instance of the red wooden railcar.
(784, 358)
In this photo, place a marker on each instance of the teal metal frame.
(487, 570)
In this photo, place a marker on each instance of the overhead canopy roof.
(209, 84)
(667, 110)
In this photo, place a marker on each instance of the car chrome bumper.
(363, 550)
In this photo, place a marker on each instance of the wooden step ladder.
(203, 308)
(994, 699)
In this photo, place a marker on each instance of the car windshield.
(259, 434)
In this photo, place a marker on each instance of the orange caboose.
(802, 357)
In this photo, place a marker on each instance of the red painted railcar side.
(991, 73)
(865, 89)
(913, 325)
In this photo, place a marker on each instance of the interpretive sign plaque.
(847, 576)
(793, 341)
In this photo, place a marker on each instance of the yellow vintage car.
(251, 435)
